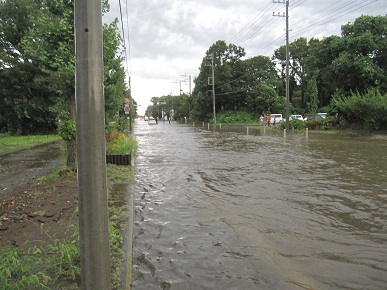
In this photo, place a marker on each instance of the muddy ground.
(35, 208)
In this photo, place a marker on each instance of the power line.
(332, 12)
(123, 36)
(129, 48)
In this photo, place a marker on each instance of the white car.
(298, 117)
(275, 119)
(324, 115)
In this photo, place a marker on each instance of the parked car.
(313, 117)
(298, 117)
(324, 115)
(275, 119)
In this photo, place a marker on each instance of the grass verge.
(11, 143)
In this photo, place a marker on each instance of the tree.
(49, 46)
(312, 93)
(37, 62)
(362, 65)
(115, 90)
(264, 99)
(298, 52)
(24, 101)
(227, 59)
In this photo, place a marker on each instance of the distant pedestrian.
(268, 120)
(265, 120)
(261, 119)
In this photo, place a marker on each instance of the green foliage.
(119, 174)
(264, 99)
(18, 271)
(312, 92)
(8, 142)
(66, 261)
(118, 143)
(67, 129)
(368, 110)
(236, 117)
(294, 124)
(319, 124)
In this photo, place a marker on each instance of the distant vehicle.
(298, 117)
(275, 119)
(146, 118)
(152, 121)
(324, 115)
(313, 117)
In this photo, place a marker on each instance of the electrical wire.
(129, 48)
(123, 37)
(334, 12)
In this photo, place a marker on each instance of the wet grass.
(11, 143)
(56, 265)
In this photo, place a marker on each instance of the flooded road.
(226, 210)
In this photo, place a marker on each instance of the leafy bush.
(235, 117)
(319, 124)
(368, 110)
(118, 143)
(294, 124)
(66, 129)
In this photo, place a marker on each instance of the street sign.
(127, 109)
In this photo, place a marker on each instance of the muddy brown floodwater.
(220, 209)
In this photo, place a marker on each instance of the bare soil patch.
(35, 209)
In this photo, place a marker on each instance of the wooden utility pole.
(91, 155)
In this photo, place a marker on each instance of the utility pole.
(286, 15)
(213, 86)
(91, 147)
(185, 80)
(130, 104)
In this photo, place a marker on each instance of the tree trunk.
(71, 154)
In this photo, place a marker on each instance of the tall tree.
(37, 67)
(362, 65)
(227, 59)
(298, 52)
(24, 101)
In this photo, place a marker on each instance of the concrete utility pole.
(213, 86)
(91, 155)
(185, 79)
(130, 103)
(286, 15)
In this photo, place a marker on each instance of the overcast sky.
(167, 39)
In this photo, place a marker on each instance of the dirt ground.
(35, 208)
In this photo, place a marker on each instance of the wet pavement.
(20, 168)
(220, 209)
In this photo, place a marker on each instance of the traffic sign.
(127, 109)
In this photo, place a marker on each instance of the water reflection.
(226, 210)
